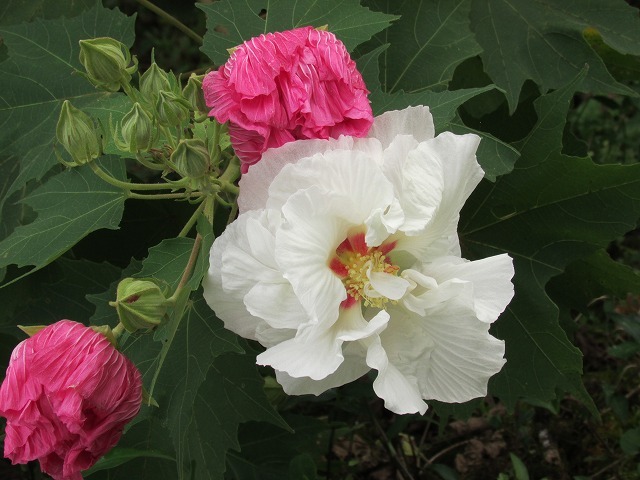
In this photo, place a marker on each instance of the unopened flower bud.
(77, 133)
(191, 158)
(194, 95)
(154, 81)
(141, 304)
(171, 109)
(137, 131)
(106, 61)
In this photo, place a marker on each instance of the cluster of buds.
(156, 130)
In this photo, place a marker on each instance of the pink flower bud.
(286, 86)
(67, 396)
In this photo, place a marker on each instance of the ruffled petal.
(414, 121)
(490, 277)
(448, 351)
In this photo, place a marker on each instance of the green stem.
(192, 220)
(170, 139)
(117, 330)
(163, 196)
(148, 163)
(172, 20)
(188, 269)
(128, 185)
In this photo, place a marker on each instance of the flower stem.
(188, 269)
(163, 196)
(192, 220)
(117, 330)
(128, 185)
(172, 20)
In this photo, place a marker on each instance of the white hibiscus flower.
(345, 258)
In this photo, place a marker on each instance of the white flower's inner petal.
(490, 277)
(387, 285)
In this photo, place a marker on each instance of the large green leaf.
(232, 394)
(429, 41)
(543, 40)
(35, 80)
(13, 12)
(68, 206)
(550, 210)
(591, 277)
(230, 23)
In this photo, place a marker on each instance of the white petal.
(348, 173)
(414, 121)
(304, 246)
(490, 277)
(242, 270)
(399, 392)
(352, 368)
(315, 357)
(388, 285)
(383, 222)
(254, 185)
(448, 351)
(317, 353)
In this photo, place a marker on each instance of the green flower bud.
(77, 133)
(191, 158)
(137, 131)
(106, 61)
(141, 304)
(194, 95)
(154, 81)
(171, 109)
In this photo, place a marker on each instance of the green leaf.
(550, 210)
(167, 261)
(54, 293)
(232, 394)
(69, 206)
(519, 467)
(13, 12)
(591, 277)
(543, 40)
(35, 80)
(231, 23)
(120, 455)
(429, 41)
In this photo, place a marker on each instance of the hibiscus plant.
(341, 206)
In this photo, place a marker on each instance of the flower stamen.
(354, 263)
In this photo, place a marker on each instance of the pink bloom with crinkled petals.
(67, 396)
(286, 86)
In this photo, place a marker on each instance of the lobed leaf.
(230, 23)
(543, 40)
(429, 41)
